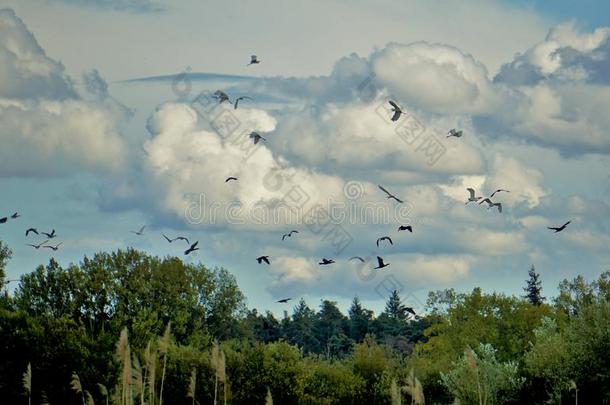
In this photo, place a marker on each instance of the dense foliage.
(128, 328)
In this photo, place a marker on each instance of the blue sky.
(98, 139)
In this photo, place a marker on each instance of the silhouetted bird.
(53, 247)
(559, 229)
(390, 195)
(455, 133)
(357, 258)
(397, 111)
(256, 137)
(221, 96)
(491, 204)
(409, 310)
(140, 232)
(192, 248)
(263, 259)
(50, 235)
(3, 220)
(237, 100)
(380, 263)
(39, 245)
(230, 178)
(176, 238)
(326, 261)
(34, 230)
(289, 234)
(384, 238)
(405, 228)
(284, 301)
(472, 197)
(497, 191)
(15, 215)
(253, 60)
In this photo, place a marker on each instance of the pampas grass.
(269, 398)
(124, 355)
(192, 385)
(103, 391)
(395, 395)
(414, 389)
(77, 386)
(27, 383)
(215, 360)
(150, 359)
(164, 349)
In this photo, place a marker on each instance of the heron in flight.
(54, 248)
(221, 96)
(498, 191)
(491, 204)
(238, 99)
(396, 110)
(380, 263)
(170, 240)
(39, 245)
(560, 228)
(254, 60)
(289, 234)
(50, 235)
(472, 197)
(389, 195)
(384, 238)
(357, 258)
(139, 232)
(454, 132)
(192, 248)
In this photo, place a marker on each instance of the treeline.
(129, 328)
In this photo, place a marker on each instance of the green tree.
(533, 288)
(360, 320)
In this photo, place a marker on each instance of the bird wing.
(566, 224)
(294, 231)
(166, 238)
(284, 236)
(3, 220)
(390, 239)
(487, 200)
(379, 261)
(266, 260)
(393, 104)
(397, 199)
(357, 257)
(142, 229)
(396, 115)
(471, 191)
(385, 191)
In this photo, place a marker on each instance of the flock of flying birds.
(222, 97)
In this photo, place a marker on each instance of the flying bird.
(472, 197)
(357, 258)
(396, 109)
(192, 248)
(53, 247)
(384, 238)
(409, 310)
(3, 220)
(289, 234)
(230, 178)
(140, 232)
(15, 215)
(254, 60)
(34, 230)
(50, 235)
(256, 136)
(221, 96)
(263, 259)
(405, 228)
(326, 261)
(39, 245)
(390, 195)
(491, 204)
(284, 301)
(380, 263)
(170, 240)
(238, 99)
(454, 132)
(559, 229)
(497, 191)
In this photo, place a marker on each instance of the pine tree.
(360, 320)
(394, 307)
(533, 288)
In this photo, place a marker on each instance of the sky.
(107, 124)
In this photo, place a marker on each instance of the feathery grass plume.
(44, 400)
(124, 354)
(89, 398)
(574, 387)
(269, 398)
(164, 349)
(77, 386)
(192, 385)
(27, 383)
(222, 377)
(103, 391)
(137, 379)
(414, 389)
(395, 395)
(150, 357)
(215, 360)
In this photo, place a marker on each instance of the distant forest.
(130, 328)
